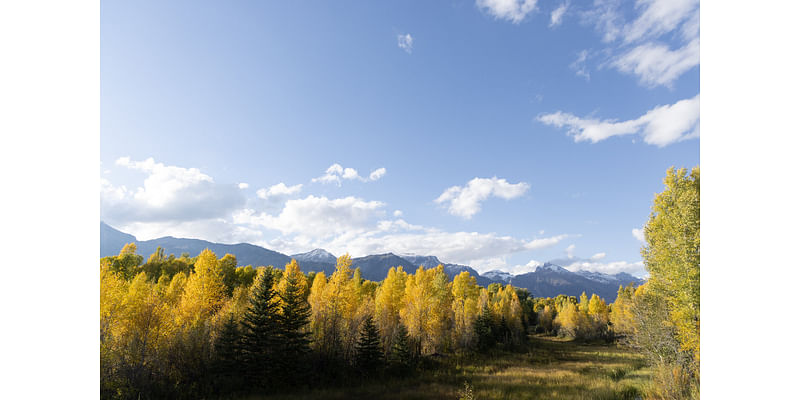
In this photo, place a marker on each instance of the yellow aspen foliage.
(144, 322)
(339, 302)
(128, 249)
(506, 306)
(568, 320)
(426, 310)
(204, 293)
(484, 297)
(621, 315)
(584, 304)
(113, 289)
(316, 300)
(598, 315)
(388, 302)
(466, 295)
(672, 254)
(175, 290)
(292, 270)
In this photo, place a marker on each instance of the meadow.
(546, 368)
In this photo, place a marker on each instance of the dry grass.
(550, 368)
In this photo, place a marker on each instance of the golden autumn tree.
(672, 254)
(204, 292)
(466, 295)
(339, 301)
(316, 299)
(292, 271)
(426, 310)
(388, 302)
(621, 315)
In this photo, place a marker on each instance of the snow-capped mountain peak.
(551, 267)
(498, 275)
(316, 255)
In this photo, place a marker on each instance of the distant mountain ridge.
(548, 280)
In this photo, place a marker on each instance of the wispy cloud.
(406, 42)
(558, 14)
(579, 65)
(656, 64)
(466, 201)
(661, 126)
(641, 46)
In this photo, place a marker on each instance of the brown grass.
(548, 368)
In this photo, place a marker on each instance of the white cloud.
(558, 14)
(636, 268)
(243, 185)
(335, 173)
(661, 126)
(377, 174)
(642, 50)
(511, 10)
(278, 191)
(522, 269)
(598, 256)
(466, 201)
(405, 42)
(570, 250)
(214, 229)
(168, 193)
(317, 216)
(478, 250)
(579, 65)
(638, 234)
(184, 202)
(659, 17)
(656, 64)
(356, 226)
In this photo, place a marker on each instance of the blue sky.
(499, 134)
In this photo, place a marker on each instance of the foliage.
(261, 337)
(369, 356)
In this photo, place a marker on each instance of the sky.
(499, 134)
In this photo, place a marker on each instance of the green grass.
(548, 368)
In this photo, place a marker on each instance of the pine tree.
(400, 357)
(261, 330)
(483, 330)
(368, 349)
(293, 322)
(227, 365)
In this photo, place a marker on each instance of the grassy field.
(550, 368)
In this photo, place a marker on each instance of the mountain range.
(548, 280)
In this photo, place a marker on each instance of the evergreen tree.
(294, 335)
(261, 338)
(227, 365)
(400, 356)
(368, 349)
(483, 330)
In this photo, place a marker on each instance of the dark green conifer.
(369, 357)
(261, 336)
(400, 357)
(483, 330)
(227, 357)
(294, 337)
